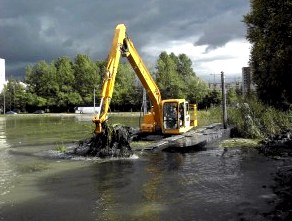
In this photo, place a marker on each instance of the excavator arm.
(123, 46)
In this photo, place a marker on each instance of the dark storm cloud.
(220, 29)
(44, 30)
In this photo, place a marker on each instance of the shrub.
(253, 119)
(209, 116)
(61, 148)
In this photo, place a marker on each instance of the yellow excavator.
(171, 116)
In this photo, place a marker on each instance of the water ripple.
(7, 172)
(210, 178)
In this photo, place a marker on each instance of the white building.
(87, 110)
(2, 74)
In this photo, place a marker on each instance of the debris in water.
(114, 141)
(279, 144)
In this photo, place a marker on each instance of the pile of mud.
(114, 141)
(280, 144)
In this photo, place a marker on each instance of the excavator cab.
(177, 116)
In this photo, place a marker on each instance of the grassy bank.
(209, 116)
(252, 122)
(252, 119)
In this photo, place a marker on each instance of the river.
(209, 184)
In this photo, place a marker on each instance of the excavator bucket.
(98, 128)
(98, 124)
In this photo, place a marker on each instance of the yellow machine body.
(172, 116)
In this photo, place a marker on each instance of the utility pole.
(214, 80)
(224, 100)
(4, 101)
(14, 96)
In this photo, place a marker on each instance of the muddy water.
(204, 185)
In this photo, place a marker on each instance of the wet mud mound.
(114, 141)
(278, 144)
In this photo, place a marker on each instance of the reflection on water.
(50, 129)
(203, 185)
(6, 169)
(37, 130)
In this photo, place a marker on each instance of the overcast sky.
(210, 32)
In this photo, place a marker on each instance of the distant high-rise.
(247, 82)
(2, 74)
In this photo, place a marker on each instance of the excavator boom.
(109, 78)
(144, 76)
(123, 46)
(160, 119)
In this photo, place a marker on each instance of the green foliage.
(209, 116)
(66, 79)
(61, 148)
(211, 99)
(269, 30)
(125, 89)
(176, 78)
(231, 97)
(42, 84)
(168, 80)
(86, 78)
(253, 119)
(239, 142)
(15, 96)
(64, 84)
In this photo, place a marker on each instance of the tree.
(194, 88)
(15, 96)
(87, 78)
(269, 30)
(176, 78)
(64, 84)
(67, 97)
(197, 90)
(167, 78)
(125, 87)
(231, 96)
(41, 80)
(213, 98)
(184, 66)
(61, 85)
